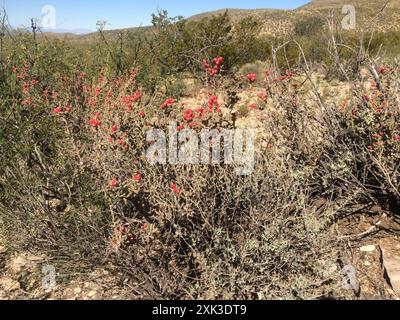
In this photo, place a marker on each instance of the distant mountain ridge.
(68, 31)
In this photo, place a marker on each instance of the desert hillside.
(281, 22)
(370, 16)
(210, 158)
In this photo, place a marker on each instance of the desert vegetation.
(76, 186)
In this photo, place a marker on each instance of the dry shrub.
(76, 184)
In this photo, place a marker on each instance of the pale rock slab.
(391, 263)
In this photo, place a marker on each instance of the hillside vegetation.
(77, 188)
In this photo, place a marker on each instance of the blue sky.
(83, 14)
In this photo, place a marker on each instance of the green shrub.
(309, 26)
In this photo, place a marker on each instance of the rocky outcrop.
(391, 263)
